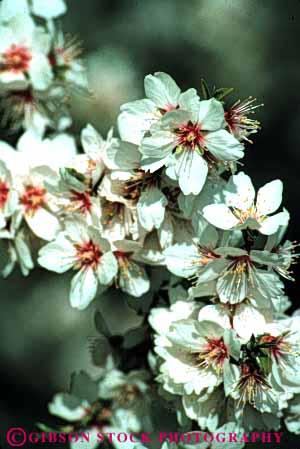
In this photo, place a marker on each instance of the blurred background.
(247, 44)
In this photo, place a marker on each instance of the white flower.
(36, 203)
(130, 396)
(189, 142)
(80, 247)
(193, 362)
(240, 210)
(24, 49)
(66, 64)
(282, 339)
(233, 274)
(193, 350)
(30, 109)
(163, 95)
(238, 122)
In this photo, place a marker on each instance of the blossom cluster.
(39, 66)
(156, 212)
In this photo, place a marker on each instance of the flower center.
(251, 383)
(214, 353)
(190, 136)
(276, 345)
(88, 255)
(4, 191)
(206, 255)
(240, 265)
(237, 119)
(111, 211)
(82, 201)
(33, 198)
(244, 215)
(128, 395)
(17, 58)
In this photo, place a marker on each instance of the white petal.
(220, 216)
(83, 288)
(248, 320)
(43, 224)
(189, 100)
(217, 313)
(10, 8)
(271, 224)
(58, 256)
(191, 171)
(182, 259)
(135, 119)
(269, 197)
(239, 192)
(211, 115)
(68, 407)
(50, 9)
(159, 145)
(151, 208)
(133, 279)
(107, 269)
(224, 146)
(40, 72)
(166, 231)
(162, 90)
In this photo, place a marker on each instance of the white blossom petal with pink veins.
(241, 211)
(82, 248)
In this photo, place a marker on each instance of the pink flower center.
(190, 136)
(4, 192)
(33, 198)
(17, 58)
(214, 353)
(277, 345)
(88, 255)
(82, 201)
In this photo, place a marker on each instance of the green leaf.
(265, 364)
(205, 92)
(222, 92)
(75, 174)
